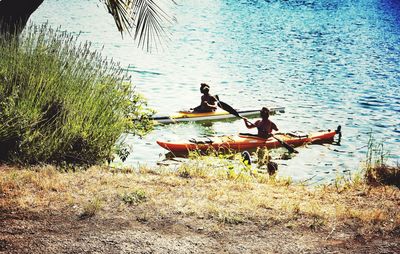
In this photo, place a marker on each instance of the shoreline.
(44, 210)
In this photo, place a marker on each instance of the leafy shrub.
(60, 102)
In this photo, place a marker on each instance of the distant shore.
(107, 210)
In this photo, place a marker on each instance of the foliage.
(377, 171)
(231, 166)
(135, 197)
(91, 208)
(60, 102)
(384, 175)
(145, 17)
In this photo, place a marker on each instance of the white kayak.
(190, 116)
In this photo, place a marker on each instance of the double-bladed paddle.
(233, 111)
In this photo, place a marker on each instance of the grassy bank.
(150, 195)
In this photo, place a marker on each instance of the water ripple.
(329, 62)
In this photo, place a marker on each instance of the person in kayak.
(264, 126)
(208, 101)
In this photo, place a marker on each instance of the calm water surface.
(328, 62)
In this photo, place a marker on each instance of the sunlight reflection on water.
(328, 62)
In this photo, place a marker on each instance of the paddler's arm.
(274, 127)
(206, 104)
(248, 124)
(215, 100)
(212, 106)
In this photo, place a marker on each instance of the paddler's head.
(204, 88)
(264, 113)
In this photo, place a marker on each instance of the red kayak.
(243, 142)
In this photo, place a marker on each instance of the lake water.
(329, 63)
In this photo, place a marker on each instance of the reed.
(61, 102)
(377, 170)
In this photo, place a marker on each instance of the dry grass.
(230, 198)
(383, 175)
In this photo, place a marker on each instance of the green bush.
(61, 102)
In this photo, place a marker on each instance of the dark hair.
(264, 112)
(203, 87)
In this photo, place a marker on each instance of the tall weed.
(377, 171)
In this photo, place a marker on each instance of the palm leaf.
(120, 10)
(145, 17)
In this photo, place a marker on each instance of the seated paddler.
(208, 102)
(264, 126)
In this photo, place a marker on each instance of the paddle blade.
(228, 108)
(289, 148)
(286, 145)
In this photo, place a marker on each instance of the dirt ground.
(55, 232)
(43, 210)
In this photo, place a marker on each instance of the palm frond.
(120, 10)
(145, 17)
